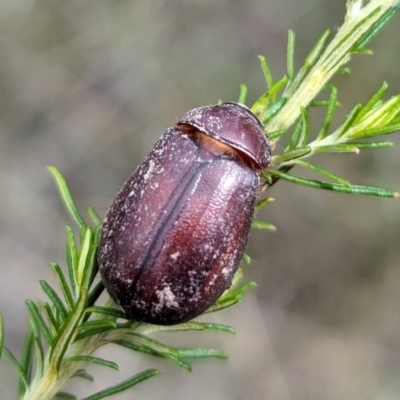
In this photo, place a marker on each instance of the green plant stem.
(338, 53)
(52, 381)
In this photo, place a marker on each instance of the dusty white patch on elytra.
(110, 232)
(149, 172)
(166, 298)
(226, 271)
(175, 255)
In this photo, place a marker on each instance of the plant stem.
(51, 382)
(45, 387)
(358, 21)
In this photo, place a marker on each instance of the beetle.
(176, 232)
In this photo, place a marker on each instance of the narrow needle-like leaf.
(353, 189)
(39, 321)
(66, 195)
(126, 384)
(72, 260)
(94, 360)
(106, 311)
(26, 359)
(93, 215)
(53, 296)
(17, 366)
(329, 114)
(290, 54)
(64, 285)
(68, 331)
(202, 353)
(266, 71)
(373, 100)
(243, 94)
(64, 396)
(257, 224)
(323, 171)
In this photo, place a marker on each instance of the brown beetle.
(176, 232)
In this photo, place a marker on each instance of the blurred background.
(89, 86)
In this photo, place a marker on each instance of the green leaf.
(92, 332)
(353, 189)
(372, 145)
(290, 54)
(329, 114)
(226, 303)
(94, 216)
(85, 256)
(147, 329)
(372, 102)
(373, 31)
(258, 224)
(133, 346)
(95, 293)
(378, 119)
(113, 312)
(243, 94)
(263, 202)
(38, 347)
(273, 136)
(343, 70)
(93, 296)
(126, 384)
(93, 264)
(26, 360)
(216, 327)
(65, 396)
(53, 324)
(301, 133)
(294, 138)
(72, 261)
(94, 360)
(17, 366)
(97, 324)
(237, 292)
(323, 171)
(63, 285)
(157, 348)
(231, 297)
(81, 373)
(247, 260)
(361, 51)
(290, 155)
(39, 321)
(53, 296)
(273, 109)
(337, 148)
(262, 107)
(318, 48)
(202, 353)
(154, 345)
(239, 273)
(142, 348)
(319, 103)
(266, 71)
(348, 122)
(305, 128)
(65, 195)
(378, 131)
(69, 330)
